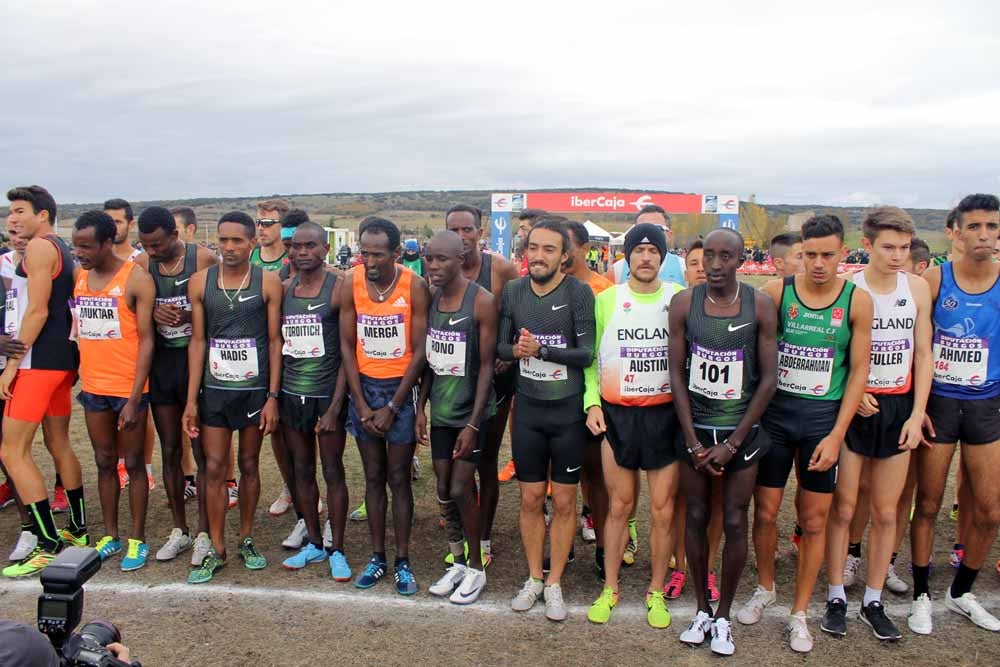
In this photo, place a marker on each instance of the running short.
(378, 393)
(751, 452)
(795, 426)
(641, 438)
(302, 413)
(40, 393)
(877, 437)
(504, 384)
(100, 403)
(969, 421)
(168, 376)
(231, 409)
(549, 434)
(443, 440)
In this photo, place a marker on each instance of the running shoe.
(873, 614)
(135, 555)
(190, 491)
(150, 481)
(406, 584)
(72, 539)
(415, 469)
(835, 620)
(657, 614)
(327, 535)
(282, 503)
(753, 610)
(297, 537)
(108, 546)
(893, 582)
(60, 504)
(957, 556)
(587, 532)
(628, 558)
(340, 570)
(700, 626)
(795, 539)
(209, 566)
(555, 608)
(920, 619)
(953, 514)
(799, 638)
(713, 589)
(374, 571)
(451, 580)
(233, 491)
(176, 544)
(528, 595)
(202, 545)
(508, 473)
(252, 559)
(36, 561)
(485, 556)
(675, 586)
(26, 543)
(6, 495)
(600, 611)
(360, 514)
(471, 587)
(307, 554)
(122, 475)
(998, 567)
(851, 567)
(967, 605)
(722, 637)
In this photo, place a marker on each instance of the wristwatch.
(392, 408)
(272, 394)
(543, 353)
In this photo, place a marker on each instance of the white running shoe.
(26, 543)
(202, 545)
(233, 492)
(587, 532)
(190, 491)
(700, 627)
(753, 610)
(176, 544)
(722, 637)
(297, 537)
(281, 504)
(851, 569)
(894, 583)
(451, 580)
(920, 619)
(967, 605)
(555, 608)
(527, 596)
(470, 589)
(798, 633)
(327, 536)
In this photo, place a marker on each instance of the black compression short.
(549, 433)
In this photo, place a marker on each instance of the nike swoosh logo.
(573, 469)
(242, 299)
(314, 306)
(747, 457)
(559, 307)
(732, 328)
(580, 333)
(476, 451)
(466, 597)
(454, 322)
(251, 415)
(181, 282)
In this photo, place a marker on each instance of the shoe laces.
(133, 548)
(403, 574)
(249, 548)
(677, 579)
(654, 599)
(758, 599)
(528, 589)
(553, 595)
(373, 567)
(722, 629)
(702, 621)
(852, 565)
(797, 627)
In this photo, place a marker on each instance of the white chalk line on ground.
(627, 607)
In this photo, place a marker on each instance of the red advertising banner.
(610, 202)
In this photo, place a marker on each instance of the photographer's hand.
(121, 651)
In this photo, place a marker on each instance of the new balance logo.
(900, 303)
(314, 306)
(247, 298)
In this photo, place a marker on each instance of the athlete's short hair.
(375, 225)
(976, 202)
(919, 251)
(185, 213)
(531, 214)
(465, 208)
(279, 206)
(156, 217)
(697, 244)
(120, 205)
(39, 198)
(294, 217)
(311, 226)
(782, 243)
(732, 232)
(887, 218)
(553, 224)
(578, 231)
(240, 218)
(653, 208)
(103, 224)
(820, 226)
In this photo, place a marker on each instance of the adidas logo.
(645, 239)
(400, 302)
(115, 291)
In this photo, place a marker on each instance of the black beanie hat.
(645, 233)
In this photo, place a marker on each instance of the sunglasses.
(266, 222)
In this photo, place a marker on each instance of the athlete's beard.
(543, 279)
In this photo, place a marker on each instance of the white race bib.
(233, 359)
(716, 374)
(382, 336)
(184, 330)
(545, 371)
(11, 313)
(962, 361)
(644, 370)
(446, 351)
(889, 363)
(97, 318)
(303, 336)
(804, 370)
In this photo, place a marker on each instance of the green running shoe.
(73, 540)
(204, 572)
(656, 610)
(33, 563)
(360, 514)
(600, 611)
(487, 558)
(252, 559)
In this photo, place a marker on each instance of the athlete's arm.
(196, 352)
(773, 288)
(348, 346)
(328, 420)
(933, 278)
(923, 368)
(420, 298)
(582, 355)
(272, 292)
(767, 362)
(40, 261)
(426, 382)
(591, 374)
(140, 292)
(487, 318)
(503, 273)
(680, 306)
(142, 259)
(505, 332)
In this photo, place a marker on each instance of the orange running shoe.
(122, 475)
(508, 473)
(150, 481)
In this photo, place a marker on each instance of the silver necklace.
(231, 299)
(180, 259)
(381, 294)
(735, 296)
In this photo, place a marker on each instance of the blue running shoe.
(340, 570)
(307, 554)
(405, 583)
(108, 546)
(135, 557)
(374, 571)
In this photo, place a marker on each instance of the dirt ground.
(277, 617)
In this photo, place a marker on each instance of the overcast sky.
(858, 103)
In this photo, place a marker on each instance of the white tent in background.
(597, 233)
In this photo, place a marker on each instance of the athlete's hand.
(421, 427)
(929, 430)
(7, 381)
(189, 420)
(912, 434)
(595, 420)
(128, 418)
(269, 416)
(713, 460)
(329, 421)
(825, 455)
(167, 315)
(527, 345)
(12, 347)
(465, 443)
(868, 406)
(381, 421)
(500, 366)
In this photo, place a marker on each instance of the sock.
(380, 555)
(835, 592)
(457, 550)
(599, 556)
(77, 510)
(957, 547)
(149, 469)
(486, 547)
(58, 480)
(585, 511)
(854, 549)
(298, 515)
(318, 545)
(962, 583)
(44, 525)
(892, 561)
(798, 530)
(872, 595)
(399, 561)
(921, 574)
(537, 581)
(189, 479)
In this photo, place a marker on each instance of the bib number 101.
(713, 373)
